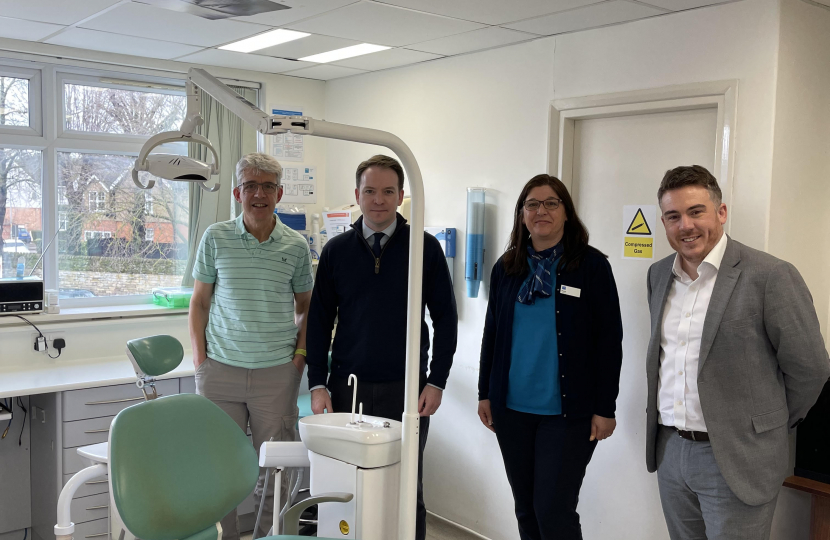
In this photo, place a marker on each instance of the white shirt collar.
(388, 231)
(713, 259)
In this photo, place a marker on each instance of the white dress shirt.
(387, 233)
(686, 305)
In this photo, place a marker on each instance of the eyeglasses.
(532, 205)
(252, 187)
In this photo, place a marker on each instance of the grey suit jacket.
(762, 366)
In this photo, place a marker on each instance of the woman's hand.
(485, 415)
(601, 427)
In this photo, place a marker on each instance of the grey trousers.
(697, 502)
(265, 399)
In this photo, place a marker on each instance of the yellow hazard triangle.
(639, 225)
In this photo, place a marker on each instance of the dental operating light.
(180, 169)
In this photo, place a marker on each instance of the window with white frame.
(148, 203)
(97, 201)
(113, 239)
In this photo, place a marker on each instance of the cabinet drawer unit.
(92, 530)
(108, 400)
(86, 432)
(90, 508)
(90, 487)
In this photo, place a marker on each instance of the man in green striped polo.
(248, 317)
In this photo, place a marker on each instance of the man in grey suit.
(735, 361)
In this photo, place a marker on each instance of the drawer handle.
(96, 482)
(97, 430)
(97, 535)
(116, 401)
(99, 507)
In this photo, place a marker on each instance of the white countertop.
(61, 376)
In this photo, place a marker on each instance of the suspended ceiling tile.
(472, 41)
(387, 59)
(383, 25)
(253, 62)
(300, 9)
(325, 72)
(121, 44)
(616, 11)
(313, 44)
(680, 5)
(491, 11)
(26, 30)
(142, 20)
(64, 12)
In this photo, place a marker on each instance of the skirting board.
(454, 524)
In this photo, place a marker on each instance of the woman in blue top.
(550, 358)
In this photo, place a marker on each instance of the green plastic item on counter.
(172, 297)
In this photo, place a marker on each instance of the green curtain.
(232, 139)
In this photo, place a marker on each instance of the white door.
(620, 161)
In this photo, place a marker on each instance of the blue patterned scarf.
(540, 281)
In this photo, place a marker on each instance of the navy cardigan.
(588, 332)
(369, 297)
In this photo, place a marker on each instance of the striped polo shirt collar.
(276, 234)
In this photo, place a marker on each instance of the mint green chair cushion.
(156, 355)
(178, 465)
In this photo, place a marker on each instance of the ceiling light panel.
(54, 11)
(313, 44)
(593, 16)
(383, 24)
(26, 30)
(342, 54)
(151, 22)
(476, 40)
(263, 41)
(121, 44)
(491, 11)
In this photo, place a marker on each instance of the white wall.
(799, 216)
(482, 120)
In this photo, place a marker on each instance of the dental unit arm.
(179, 168)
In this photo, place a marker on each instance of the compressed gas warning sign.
(638, 231)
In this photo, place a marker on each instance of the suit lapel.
(658, 300)
(721, 293)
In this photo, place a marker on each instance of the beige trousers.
(264, 399)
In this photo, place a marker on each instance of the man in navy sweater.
(362, 279)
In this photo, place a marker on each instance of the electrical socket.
(50, 339)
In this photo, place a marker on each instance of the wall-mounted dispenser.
(475, 240)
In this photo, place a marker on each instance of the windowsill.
(96, 312)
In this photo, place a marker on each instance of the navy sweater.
(588, 332)
(370, 307)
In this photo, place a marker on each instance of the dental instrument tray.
(172, 297)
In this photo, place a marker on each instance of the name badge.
(570, 291)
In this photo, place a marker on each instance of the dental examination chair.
(177, 464)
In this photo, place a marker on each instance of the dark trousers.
(385, 399)
(545, 458)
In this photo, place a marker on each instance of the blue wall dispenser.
(474, 266)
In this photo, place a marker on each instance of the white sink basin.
(376, 442)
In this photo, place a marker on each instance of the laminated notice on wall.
(299, 184)
(638, 231)
(287, 146)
